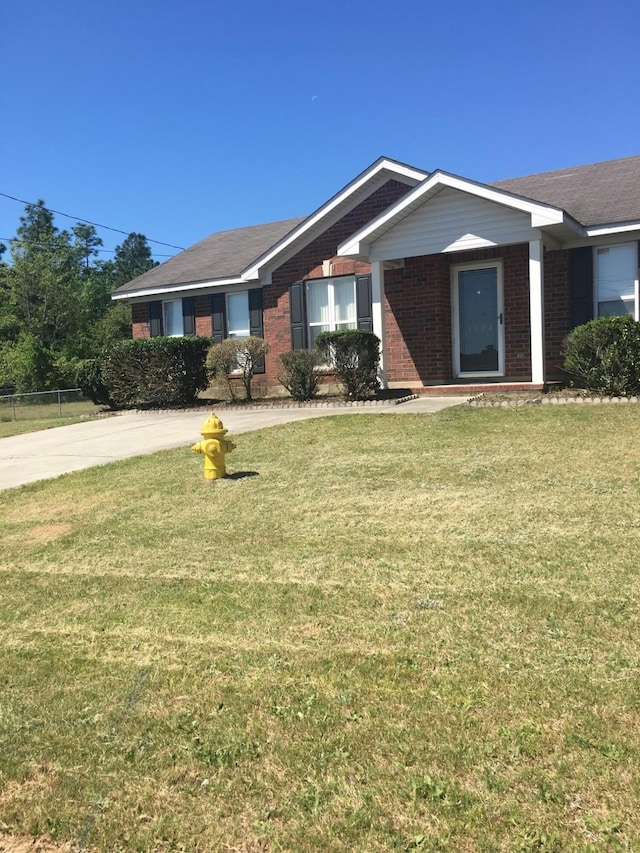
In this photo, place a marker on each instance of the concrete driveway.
(52, 452)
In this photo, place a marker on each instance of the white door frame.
(455, 316)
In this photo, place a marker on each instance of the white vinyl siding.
(173, 322)
(452, 221)
(616, 276)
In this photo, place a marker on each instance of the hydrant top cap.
(213, 426)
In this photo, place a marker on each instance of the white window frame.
(331, 323)
(179, 334)
(636, 284)
(455, 317)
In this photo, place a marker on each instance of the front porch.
(443, 244)
(462, 320)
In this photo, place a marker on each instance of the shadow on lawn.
(240, 475)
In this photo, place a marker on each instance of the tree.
(42, 301)
(132, 258)
(55, 299)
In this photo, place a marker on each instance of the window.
(238, 315)
(173, 323)
(616, 276)
(331, 305)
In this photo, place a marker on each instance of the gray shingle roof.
(598, 194)
(220, 256)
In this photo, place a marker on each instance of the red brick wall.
(140, 320)
(202, 317)
(308, 263)
(418, 321)
(557, 309)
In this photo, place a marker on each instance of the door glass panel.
(478, 310)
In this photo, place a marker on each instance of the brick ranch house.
(467, 285)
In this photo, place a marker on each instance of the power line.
(102, 251)
(87, 221)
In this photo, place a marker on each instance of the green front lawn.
(31, 418)
(385, 632)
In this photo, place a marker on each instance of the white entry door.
(478, 314)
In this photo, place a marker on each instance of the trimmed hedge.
(89, 380)
(354, 356)
(298, 373)
(156, 371)
(604, 354)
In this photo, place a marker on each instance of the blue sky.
(178, 119)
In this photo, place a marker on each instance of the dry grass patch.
(402, 633)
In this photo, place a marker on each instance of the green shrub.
(155, 371)
(89, 379)
(236, 358)
(604, 354)
(354, 356)
(298, 373)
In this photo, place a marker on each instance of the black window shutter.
(255, 322)
(189, 315)
(297, 314)
(581, 285)
(218, 325)
(364, 311)
(155, 319)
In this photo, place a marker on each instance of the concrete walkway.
(50, 453)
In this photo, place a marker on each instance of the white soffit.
(541, 214)
(392, 169)
(178, 288)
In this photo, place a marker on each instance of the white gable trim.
(177, 288)
(541, 214)
(393, 168)
(606, 230)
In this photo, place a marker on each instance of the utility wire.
(102, 251)
(88, 221)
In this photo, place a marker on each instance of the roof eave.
(611, 228)
(177, 288)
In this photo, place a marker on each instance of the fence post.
(12, 402)
(59, 404)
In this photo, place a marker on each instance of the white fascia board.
(606, 230)
(541, 214)
(381, 165)
(177, 288)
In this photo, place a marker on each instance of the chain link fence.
(42, 405)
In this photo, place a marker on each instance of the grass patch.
(402, 633)
(31, 418)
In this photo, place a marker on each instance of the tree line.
(55, 299)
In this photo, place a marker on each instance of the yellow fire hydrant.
(214, 447)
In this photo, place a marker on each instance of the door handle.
(500, 317)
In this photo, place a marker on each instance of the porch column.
(536, 310)
(377, 310)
